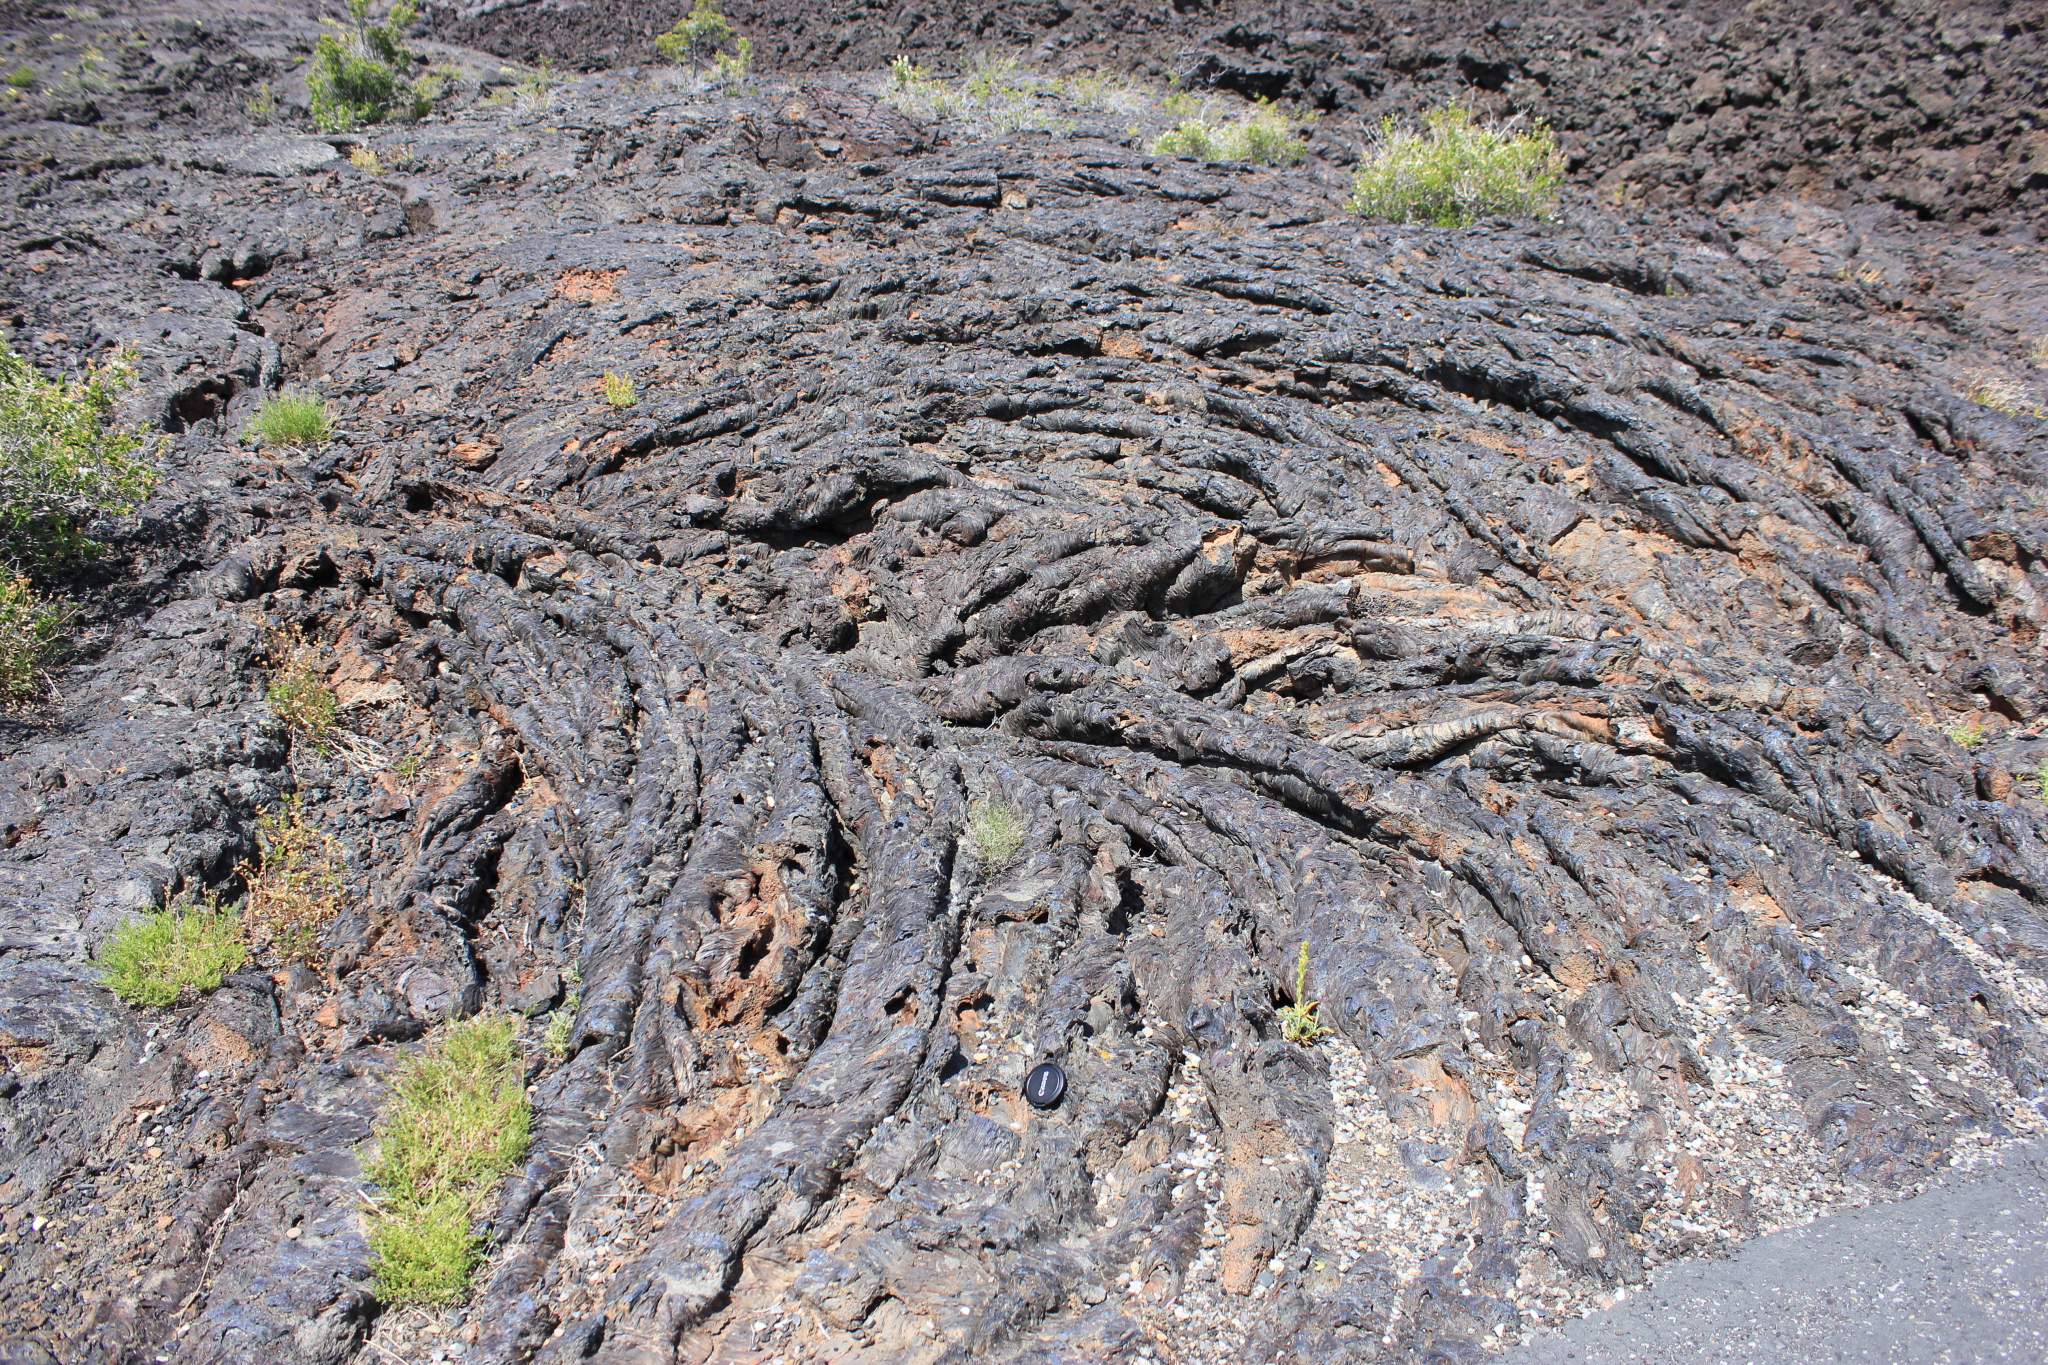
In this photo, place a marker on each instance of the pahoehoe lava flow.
(1610, 643)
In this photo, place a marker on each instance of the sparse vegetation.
(296, 889)
(534, 91)
(556, 1039)
(155, 958)
(364, 158)
(361, 73)
(705, 36)
(1267, 135)
(292, 419)
(299, 693)
(998, 831)
(458, 1120)
(22, 78)
(63, 461)
(619, 390)
(995, 92)
(2003, 393)
(1453, 171)
(261, 103)
(30, 627)
(1298, 1023)
(406, 767)
(2033, 783)
(1968, 733)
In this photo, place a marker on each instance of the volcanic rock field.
(1611, 642)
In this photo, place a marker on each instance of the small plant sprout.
(1968, 733)
(998, 831)
(1298, 1022)
(22, 78)
(292, 420)
(619, 390)
(364, 158)
(158, 957)
(556, 1039)
(1452, 171)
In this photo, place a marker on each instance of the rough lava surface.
(1566, 629)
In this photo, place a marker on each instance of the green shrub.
(1267, 135)
(291, 419)
(458, 1121)
(155, 958)
(22, 78)
(730, 68)
(1968, 733)
(1190, 137)
(62, 461)
(998, 830)
(30, 628)
(1455, 171)
(360, 75)
(619, 390)
(705, 35)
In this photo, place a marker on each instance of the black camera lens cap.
(1044, 1086)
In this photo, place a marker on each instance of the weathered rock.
(1557, 627)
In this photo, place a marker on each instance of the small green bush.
(619, 390)
(1454, 171)
(155, 958)
(458, 1121)
(705, 35)
(1267, 136)
(62, 460)
(291, 419)
(22, 78)
(360, 75)
(998, 830)
(30, 628)
(1193, 137)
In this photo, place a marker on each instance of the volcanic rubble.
(1611, 644)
